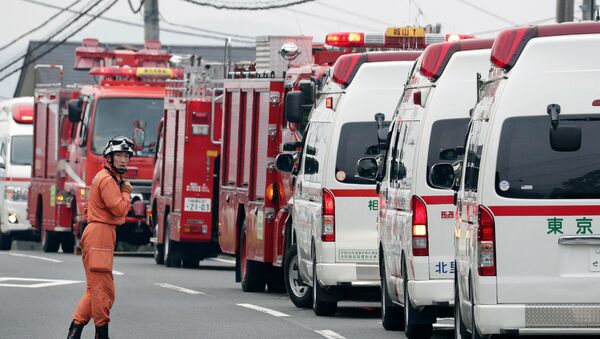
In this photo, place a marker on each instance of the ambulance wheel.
(474, 331)
(392, 317)
(275, 282)
(300, 293)
(172, 253)
(67, 242)
(322, 303)
(50, 241)
(252, 272)
(460, 330)
(5, 241)
(413, 329)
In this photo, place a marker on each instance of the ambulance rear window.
(447, 140)
(357, 140)
(21, 150)
(528, 168)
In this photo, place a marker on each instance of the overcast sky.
(481, 17)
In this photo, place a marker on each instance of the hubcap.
(298, 288)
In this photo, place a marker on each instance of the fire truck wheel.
(50, 241)
(172, 251)
(392, 317)
(413, 328)
(159, 254)
(323, 305)
(275, 282)
(300, 293)
(253, 272)
(5, 241)
(67, 242)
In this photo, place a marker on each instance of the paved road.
(158, 302)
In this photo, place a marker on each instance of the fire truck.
(183, 214)
(71, 127)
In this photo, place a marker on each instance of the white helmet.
(119, 144)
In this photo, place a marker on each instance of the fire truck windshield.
(137, 118)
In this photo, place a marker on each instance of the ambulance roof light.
(436, 56)
(23, 113)
(510, 43)
(347, 65)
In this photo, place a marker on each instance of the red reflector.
(329, 102)
(596, 102)
(345, 39)
(417, 97)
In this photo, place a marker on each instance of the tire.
(50, 241)
(275, 282)
(158, 249)
(474, 331)
(412, 328)
(252, 272)
(460, 330)
(392, 316)
(300, 293)
(172, 252)
(67, 242)
(5, 241)
(321, 307)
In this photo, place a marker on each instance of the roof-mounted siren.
(152, 55)
(90, 55)
(510, 43)
(436, 56)
(23, 113)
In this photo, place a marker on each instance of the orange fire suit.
(107, 206)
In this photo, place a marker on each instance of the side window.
(85, 121)
(310, 150)
(473, 157)
(397, 169)
(2, 150)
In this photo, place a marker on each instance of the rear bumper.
(19, 210)
(431, 292)
(359, 275)
(553, 319)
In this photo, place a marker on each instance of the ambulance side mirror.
(441, 176)
(284, 162)
(367, 168)
(308, 90)
(293, 106)
(74, 108)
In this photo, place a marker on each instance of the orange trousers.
(99, 294)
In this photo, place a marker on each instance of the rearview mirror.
(74, 108)
(311, 165)
(367, 168)
(284, 162)
(308, 90)
(442, 176)
(565, 138)
(293, 103)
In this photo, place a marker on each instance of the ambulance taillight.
(486, 240)
(328, 209)
(420, 240)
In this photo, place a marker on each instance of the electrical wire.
(483, 10)
(343, 10)
(525, 24)
(56, 44)
(246, 37)
(237, 7)
(35, 29)
(136, 11)
(332, 19)
(135, 24)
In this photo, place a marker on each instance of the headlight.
(16, 193)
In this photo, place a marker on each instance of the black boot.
(102, 332)
(75, 330)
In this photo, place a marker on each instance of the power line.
(246, 37)
(483, 10)
(77, 30)
(136, 11)
(39, 26)
(237, 7)
(330, 19)
(525, 24)
(342, 10)
(134, 24)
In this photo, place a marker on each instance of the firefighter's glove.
(126, 187)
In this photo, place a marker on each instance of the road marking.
(180, 289)
(40, 282)
(329, 334)
(264, 310)
(35, 257)
(227, 261)
(118, 273)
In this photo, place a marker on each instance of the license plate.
(595, 259)
(196, 205)
(405, 32)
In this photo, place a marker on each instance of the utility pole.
(151, 28)
(564, 10)
(588, 9)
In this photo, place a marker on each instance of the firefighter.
(107, 206)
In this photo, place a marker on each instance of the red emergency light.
(436, 56)
(345, 39)
(91, 55)
(22, 114)
(510, 43)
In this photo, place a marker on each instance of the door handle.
(590, 239)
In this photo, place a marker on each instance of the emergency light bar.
(394, 37)
(137, 73)
(436, 56)
(23, 114)
(91, 55)
(347, 65)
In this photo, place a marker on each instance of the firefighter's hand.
(126, 187)
(85, 208)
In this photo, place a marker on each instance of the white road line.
(118, 273)
(264, 310)
(180, 289)
(224, 260)
(38, 282)
(35, 257)
(329, 334)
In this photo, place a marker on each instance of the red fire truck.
(253, 197)
(71, 127)
(183, 213)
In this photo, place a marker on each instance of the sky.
(483, 18)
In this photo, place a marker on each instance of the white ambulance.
(334, 212)
(416, 215)
(16, 151)
(527, 244)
